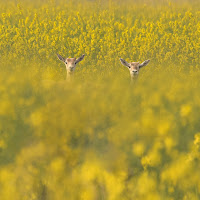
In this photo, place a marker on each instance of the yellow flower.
(185, 110)
(138, 148)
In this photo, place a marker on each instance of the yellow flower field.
(99, 137)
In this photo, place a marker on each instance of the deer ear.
(79, 59)
(146, 62)
(124, 63)
(60, 57)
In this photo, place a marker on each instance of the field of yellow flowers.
(99, 137)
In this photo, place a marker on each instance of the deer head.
(134, 67)
(70, 63)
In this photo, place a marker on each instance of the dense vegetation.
(99, 137)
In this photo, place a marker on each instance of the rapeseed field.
(99, 136)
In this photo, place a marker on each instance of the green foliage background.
(99, 137)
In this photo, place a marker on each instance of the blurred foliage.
(99, 137)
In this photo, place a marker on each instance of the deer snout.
(135, 71)
(70, 67)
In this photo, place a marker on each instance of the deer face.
(134, 67)
(70, 63)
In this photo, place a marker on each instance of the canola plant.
(99, 137)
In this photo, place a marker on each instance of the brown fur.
(134, 67)
(70, 64)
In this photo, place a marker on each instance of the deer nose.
(134, 71)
